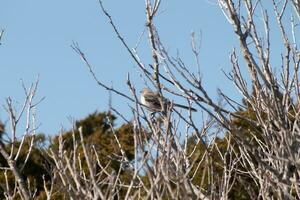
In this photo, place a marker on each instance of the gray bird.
(151, 100)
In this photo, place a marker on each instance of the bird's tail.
(185, 107)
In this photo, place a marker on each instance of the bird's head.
(145, 90)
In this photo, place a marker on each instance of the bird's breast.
(143, 101)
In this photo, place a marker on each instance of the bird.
(153, 102)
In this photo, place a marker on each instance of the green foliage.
(98, 132)
(212, 163)
(34, 168)
(1, 130)
(99, 136)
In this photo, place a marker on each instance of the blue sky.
(37, 40)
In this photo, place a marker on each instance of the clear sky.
(38, 35)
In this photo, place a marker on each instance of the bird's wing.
(152, 100)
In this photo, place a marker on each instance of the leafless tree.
(165, 157)
(274, 98)
(11, 152)
(166, 163)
